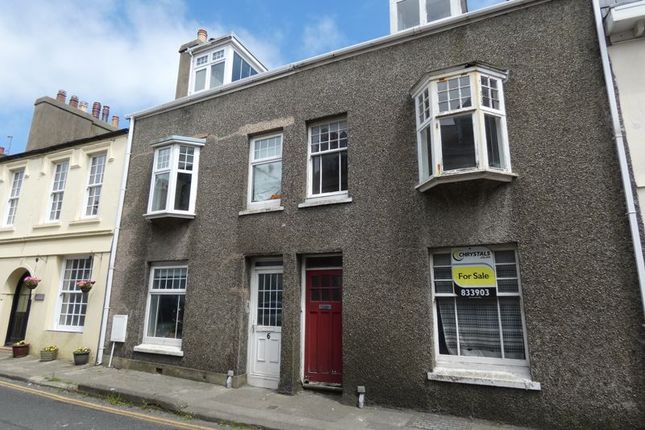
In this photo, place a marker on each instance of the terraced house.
(436, 217)
(58, 209)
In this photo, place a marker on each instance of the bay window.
(173, 187)
(265, 172)
(461, 127)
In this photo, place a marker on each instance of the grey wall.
(55, 122)
(183, 72)
(565, 213)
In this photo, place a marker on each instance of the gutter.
(622, 153)
(343, 53)
(115, 241)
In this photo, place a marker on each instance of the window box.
(461, 127)
(173, 185)
(479, 328)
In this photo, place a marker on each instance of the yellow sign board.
(474, 276)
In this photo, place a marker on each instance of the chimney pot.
(73, 102)
(96, 109)
(105, 114)
(61, 96)
(115, 121)
(202, 35)
(1, 150)
(83, 106)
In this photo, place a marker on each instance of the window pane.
(447, 326)
(511, 317)
(493, 140)
(426, 136)
(478, 327)
(343, 171)
(200, 79)
(169, 316)
(407, 14)
(330, 173)
(186, 158)
(163, 158)
(315, 175)
(217, 74)
(182, 192)
(160, 192)
(472, 5)
(457, 142)
(267, 180)
(237, 67)
(437, 9)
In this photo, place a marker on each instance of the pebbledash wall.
(564, 213)
(39, 246)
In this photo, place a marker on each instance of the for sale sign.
(473, 272)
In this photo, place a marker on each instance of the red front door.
(323, 326)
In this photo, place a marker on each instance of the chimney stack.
(115, 121)
(105, 115)
(73, 102)
(2, 154)
(96, 109)
(202, 35)
(83, 106)
(61, 96)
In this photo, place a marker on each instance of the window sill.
(168, 214)
(322, 201)
(159, 349)
(85, 221)
(7, 229)
(46, 225)
(261, 210)
(466, 175)
(494, 378)
(77, 330)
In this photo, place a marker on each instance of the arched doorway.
(19, 312)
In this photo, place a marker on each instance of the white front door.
(265, 329)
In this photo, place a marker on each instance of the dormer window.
(405, 14)
(173, 186)
(219, 62)
(461, 127)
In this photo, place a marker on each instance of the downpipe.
(115, 241)
(622, 154)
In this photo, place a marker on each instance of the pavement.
(246, 405)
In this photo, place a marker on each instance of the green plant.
(20, 343)
(50, 348)
(82, 350)
(115, 400)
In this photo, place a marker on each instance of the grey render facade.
(563, 214)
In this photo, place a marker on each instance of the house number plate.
(324, 307)
(268, 335)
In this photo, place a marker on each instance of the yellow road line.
(137, 415)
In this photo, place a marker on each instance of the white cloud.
(321, 36)
(122, 54)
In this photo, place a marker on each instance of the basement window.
(461, 127)
(173, 185)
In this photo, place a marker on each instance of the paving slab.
(245, 405)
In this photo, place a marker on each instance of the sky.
(124, 53)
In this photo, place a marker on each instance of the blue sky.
(124, 53)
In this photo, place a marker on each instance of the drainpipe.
(115, 242)
(622, 156)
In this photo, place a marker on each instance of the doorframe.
(253, 301)
(14, 305)
(303, 303)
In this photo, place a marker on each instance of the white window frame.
(14, 196)
(94, 185)
(57, 190)
(334, 195)
(61, 291)
(457, 7)
(162, 341)
(194, 67)
(265, 204)
(430, 176)
(516, 367)
(175, 143)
